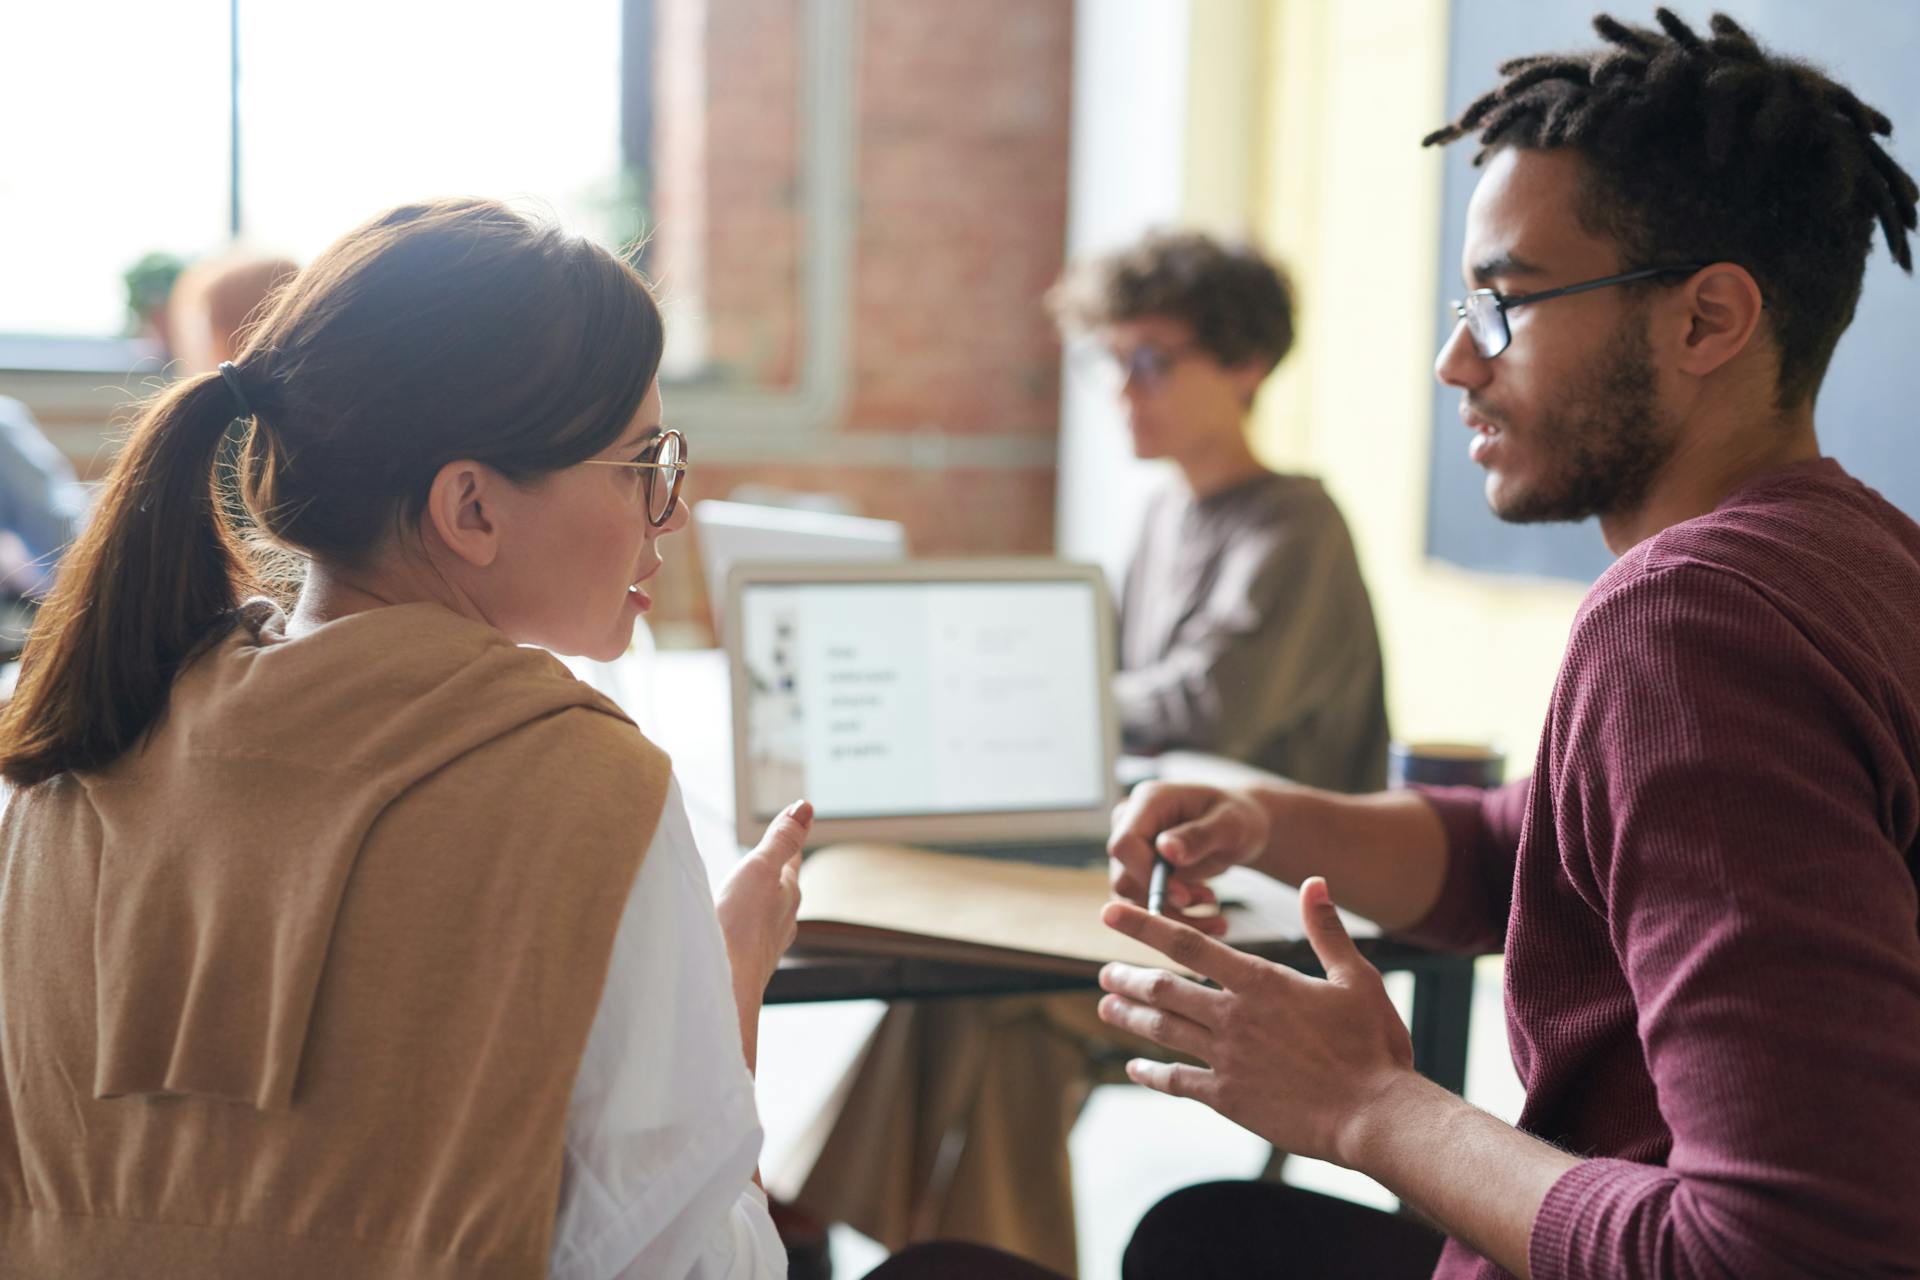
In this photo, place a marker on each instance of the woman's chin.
(608, 646)
(614, 646)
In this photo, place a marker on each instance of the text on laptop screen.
(888, 699)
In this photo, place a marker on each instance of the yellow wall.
(1337, 186)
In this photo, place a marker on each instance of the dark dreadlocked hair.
(1716, 150)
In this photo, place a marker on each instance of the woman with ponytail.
(359, 938)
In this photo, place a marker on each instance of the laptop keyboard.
(1073, 853)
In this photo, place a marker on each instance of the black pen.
(1157, 885)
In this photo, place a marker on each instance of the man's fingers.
(1159, 989)
(1195, 903)
(1174, 1078)
(1188, 894)
(1151, 809)
(1184, 945)
(1184, 893)
(1217, 831)
(1182, 896)
(1328, 937)
(1168, 1030)
(1211, 923)
(1130, 854)
(1133, 885)
(1180, 892)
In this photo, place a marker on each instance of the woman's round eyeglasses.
(661, 468)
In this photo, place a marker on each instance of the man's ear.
(462, 511)
(1723, 308)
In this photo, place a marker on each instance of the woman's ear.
(462, 512)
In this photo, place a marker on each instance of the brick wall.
(961, 173)
(960, 206)
(963, 210)
(754, 225)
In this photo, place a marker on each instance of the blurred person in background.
(1245, 632)
(214, 298)
(1245, 628)
(41, 504)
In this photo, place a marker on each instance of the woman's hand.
(760, 902)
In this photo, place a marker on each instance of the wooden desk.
(681, 699)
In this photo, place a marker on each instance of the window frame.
(63, 376)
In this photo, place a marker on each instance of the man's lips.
(1478, 422)
(1486, 434)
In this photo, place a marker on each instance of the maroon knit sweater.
(1707, 899)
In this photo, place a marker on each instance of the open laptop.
(952, 704)
(733, 532)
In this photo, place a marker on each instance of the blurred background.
(851, 210)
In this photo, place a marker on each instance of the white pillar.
(1130, 102)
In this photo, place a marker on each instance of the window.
(349, 106)
(116, 144)
(122, 121)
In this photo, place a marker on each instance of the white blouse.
(662, 1134)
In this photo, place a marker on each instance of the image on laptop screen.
(904, 698)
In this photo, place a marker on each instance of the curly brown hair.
(1237, 302)
(1716, 150)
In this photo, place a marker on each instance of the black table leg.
(1442, 1005)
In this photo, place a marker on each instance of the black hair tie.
(231, 376)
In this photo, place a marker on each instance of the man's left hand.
(1295, 1059)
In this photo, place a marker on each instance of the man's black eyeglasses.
(1485, 310)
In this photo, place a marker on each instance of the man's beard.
(1606, 443)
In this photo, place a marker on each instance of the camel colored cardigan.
(299, 987)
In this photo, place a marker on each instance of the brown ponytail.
(437, 331)
(151, 576)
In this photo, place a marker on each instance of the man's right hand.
(1200, 831)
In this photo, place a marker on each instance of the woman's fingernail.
(800, 811)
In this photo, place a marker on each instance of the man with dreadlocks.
(1706, 893)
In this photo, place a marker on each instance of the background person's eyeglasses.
(1145, 366)
(661, 473)
(1485, 310)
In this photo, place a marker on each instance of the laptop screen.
(739, 532)
(909, 698)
